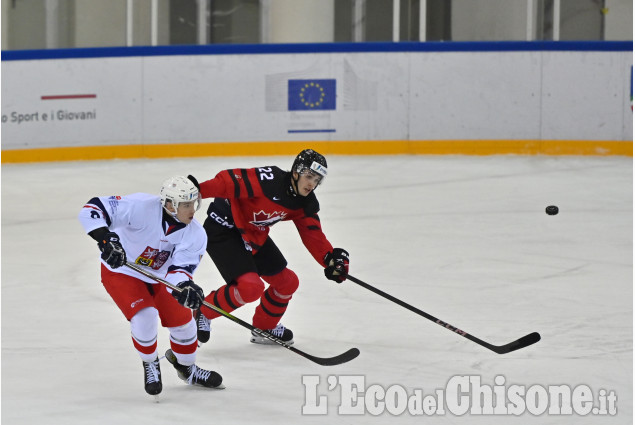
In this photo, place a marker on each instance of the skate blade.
(265, 341)
(156, 398)
(220, 387)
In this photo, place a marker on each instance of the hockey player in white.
(160, 234)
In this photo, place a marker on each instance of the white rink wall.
(380, 96)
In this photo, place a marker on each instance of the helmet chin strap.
(293, 191)
(172, 213)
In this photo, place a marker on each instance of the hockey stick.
(324, 361)
(523, 342)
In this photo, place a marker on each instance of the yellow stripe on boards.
(382, 147)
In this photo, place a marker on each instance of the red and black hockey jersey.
(255, 199)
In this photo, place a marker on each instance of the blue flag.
(312, 95)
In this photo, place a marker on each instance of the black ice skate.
(194, 375)
(279, 332)
(152, 376)
(202, 327)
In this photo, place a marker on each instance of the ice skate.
(279, 332)
(202, 327)
(194, 375)
(152, 377)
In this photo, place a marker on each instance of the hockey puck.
(552, 210)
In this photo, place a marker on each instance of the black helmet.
(310, 160)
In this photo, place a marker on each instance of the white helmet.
(179, 189)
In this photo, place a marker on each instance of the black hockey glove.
(193, 180)
(336, 265)
(191, 295)
(111, 250)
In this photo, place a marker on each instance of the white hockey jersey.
(164, 246)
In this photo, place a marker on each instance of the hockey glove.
(336, 265)
(193, 180)
(191, 295)
(111, 250)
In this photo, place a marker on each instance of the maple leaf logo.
(263, 219)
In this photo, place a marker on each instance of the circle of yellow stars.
(310, 87)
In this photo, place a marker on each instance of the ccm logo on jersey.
(220, 220)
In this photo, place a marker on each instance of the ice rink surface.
(465, 239)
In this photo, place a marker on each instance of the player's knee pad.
(184, 335)
(144, 326)
(250, 287)
(285, 283)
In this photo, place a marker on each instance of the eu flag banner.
(312, 95)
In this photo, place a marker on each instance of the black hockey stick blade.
(523, 342)
(329, 361)
(324, 361)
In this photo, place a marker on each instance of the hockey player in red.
(158, 233)
(247, 203)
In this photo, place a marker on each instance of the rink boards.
(555, 98)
